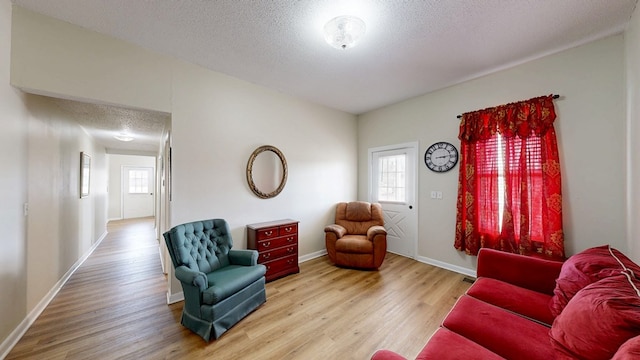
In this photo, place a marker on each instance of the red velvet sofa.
(527, 308)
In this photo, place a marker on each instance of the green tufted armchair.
(221, 286)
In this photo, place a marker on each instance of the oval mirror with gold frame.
(267, 171)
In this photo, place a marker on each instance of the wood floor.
(114, 307)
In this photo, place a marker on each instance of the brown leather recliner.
(358, 238)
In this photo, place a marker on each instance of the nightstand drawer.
(269, 244)
(277, 253)
(288, 229)
(267, 233)
(281, 267)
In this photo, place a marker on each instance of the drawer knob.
(268, 233)
(288, 229)
(266, 244)
(267, 255)
(290, 239)
(290, 250)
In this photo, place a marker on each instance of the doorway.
(137, 192)
(393, 184)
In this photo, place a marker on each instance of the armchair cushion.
(228, 280)
(358, 211)
(347, 213)
(356, 244)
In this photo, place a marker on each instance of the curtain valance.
(533, 117)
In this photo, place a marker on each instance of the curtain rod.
(555, 96)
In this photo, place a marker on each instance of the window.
(510, 192)
(138, 181)
(519, 168)
(392, 178)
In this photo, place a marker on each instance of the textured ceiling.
(410, 47)
(103, 122)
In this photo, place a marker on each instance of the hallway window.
(138, 181)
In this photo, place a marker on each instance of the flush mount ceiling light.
(123, 137)
(343, 32)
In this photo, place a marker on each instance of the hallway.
(112, 306)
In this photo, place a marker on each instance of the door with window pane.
(393, 181)
(137, 192)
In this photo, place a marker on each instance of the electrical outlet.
(434, 194)
(439, 195)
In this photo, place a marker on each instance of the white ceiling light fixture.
(343, 32)
(124, 137)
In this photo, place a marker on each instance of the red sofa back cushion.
(599, 319)
(630, 350)
(585, 268)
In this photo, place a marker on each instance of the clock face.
(441, 157)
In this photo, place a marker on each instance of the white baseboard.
(26, 323)
(174, 298)
(311, 256)
(447, 266)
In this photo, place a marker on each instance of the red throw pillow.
(599, 319)
(585, 268)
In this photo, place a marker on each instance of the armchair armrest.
(337, 229)
(524, 271)
(243, 257)
(191, 277)
(375, 230)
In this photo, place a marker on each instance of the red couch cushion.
(630, 350)
(599, 319)
(387, 355)
(445, 344)
(500, 331)
(585, 268)
(523, 301)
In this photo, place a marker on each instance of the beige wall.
(217, 122)
(61, 227)
(13, 190)
(93, 70)
(591, 136)
(632, 48)
(40, 159)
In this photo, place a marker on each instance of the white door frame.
(123, 181)
(415, 146)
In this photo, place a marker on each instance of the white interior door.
(392, 179)
(137, 192)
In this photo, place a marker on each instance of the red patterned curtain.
(509, 189)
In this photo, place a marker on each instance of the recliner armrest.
(191, 277)
(524, 271)
(337, 229)
(375, 230)
(243, 257)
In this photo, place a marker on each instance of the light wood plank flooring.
(114, 307)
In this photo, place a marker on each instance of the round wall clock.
(441, 157)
